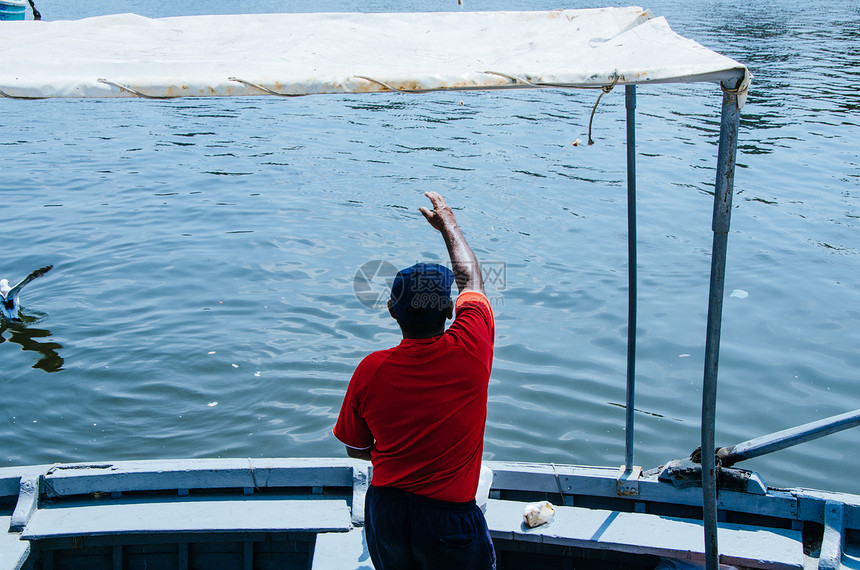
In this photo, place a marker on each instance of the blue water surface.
(203, 298)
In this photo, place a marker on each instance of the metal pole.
(787, 438)
(729, 123)
(630, 103)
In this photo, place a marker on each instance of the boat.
(17, 10)
(13, 9)
(308, 513)
(700, 511)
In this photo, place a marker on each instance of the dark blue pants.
(406, 531)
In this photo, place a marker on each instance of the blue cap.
(424, 286)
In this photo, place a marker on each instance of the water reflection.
(19, 333)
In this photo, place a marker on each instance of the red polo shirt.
(422, 406)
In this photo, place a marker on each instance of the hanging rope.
(739, 91)
(390, 87)
(36, 14)
(603, 91)
(4, 94)
(265, 89)
(517, 80)
(133, 92)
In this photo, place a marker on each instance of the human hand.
(442, 215)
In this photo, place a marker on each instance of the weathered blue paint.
(830, 557)
(28, 502)
(273, 513)
(342, 551)
(13, 551)
(647, 535)
(729, 123)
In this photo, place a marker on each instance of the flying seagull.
(9, 304)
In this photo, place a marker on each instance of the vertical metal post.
(729, 123)
(630, 103)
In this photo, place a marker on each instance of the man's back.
(418, 411)
(425, 403)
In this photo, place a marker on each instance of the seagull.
(9, 304)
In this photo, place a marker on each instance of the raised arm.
(467, 272)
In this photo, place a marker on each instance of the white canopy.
(299, 54)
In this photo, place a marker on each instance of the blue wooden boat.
(13, 9)
(308, 513)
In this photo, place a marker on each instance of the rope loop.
(603, 91)
(737, 91)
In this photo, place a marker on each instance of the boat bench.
(142, 516)
(342, 551)
(339, 546)
(640, 533)
(13, 550)
(634, 533)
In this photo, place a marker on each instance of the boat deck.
(653, 535)
(306, 513)
(13, 551)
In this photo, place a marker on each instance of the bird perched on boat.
(9, 304)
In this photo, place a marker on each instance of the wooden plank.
(638, 533)
(10, 477)
(248, 555)
(117, 557)
(601, 482)
(151, 517)
(28, 502)
(13, 550)
(128, 476)
(81, 479)
(9, 485)
(182, 556)
(830, 557)
(341, 551)
(811, 506)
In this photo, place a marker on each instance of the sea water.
(220, 265)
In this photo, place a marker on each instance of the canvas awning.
(299, 54)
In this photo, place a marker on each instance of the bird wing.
(13, 292)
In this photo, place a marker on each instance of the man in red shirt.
(418, 411)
